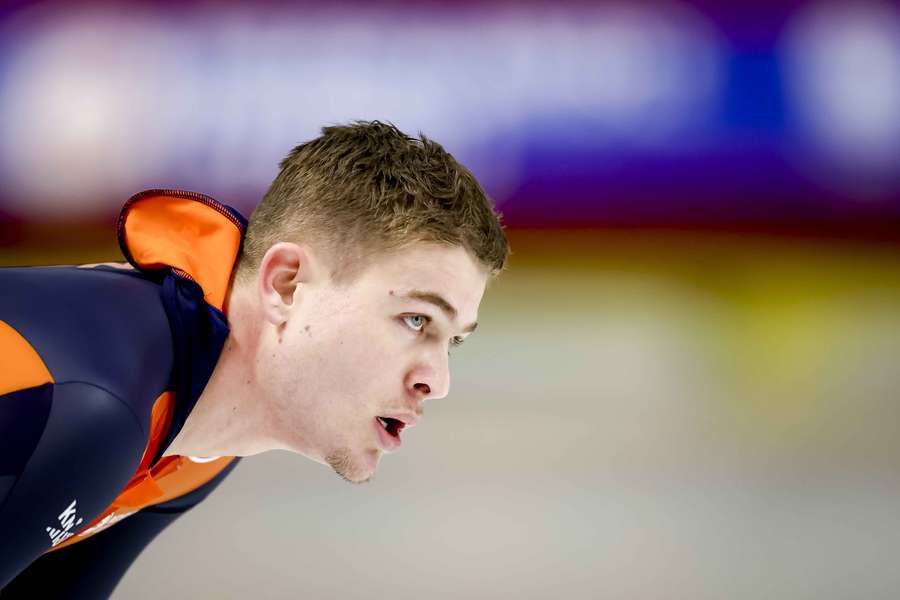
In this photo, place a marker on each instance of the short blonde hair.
(366, 188)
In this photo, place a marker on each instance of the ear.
(284, 268)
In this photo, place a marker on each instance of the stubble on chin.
(342, 463)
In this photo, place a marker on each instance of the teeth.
(383, 422)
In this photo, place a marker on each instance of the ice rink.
(639, 416)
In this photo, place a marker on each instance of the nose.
(431, 378)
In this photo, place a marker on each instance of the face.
(352, 361)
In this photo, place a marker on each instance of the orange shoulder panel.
(191, 232)
(22, 367)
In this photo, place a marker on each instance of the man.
(322, 327)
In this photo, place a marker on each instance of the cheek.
(367, 365)
(361, 363)
(337, 367)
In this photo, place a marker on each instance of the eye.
(416, 322)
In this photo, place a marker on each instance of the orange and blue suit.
(99, 369)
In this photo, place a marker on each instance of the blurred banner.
(772, 116)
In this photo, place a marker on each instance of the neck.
(226, 421)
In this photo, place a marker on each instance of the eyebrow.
(440, 302)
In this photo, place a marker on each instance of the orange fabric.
(22, 366)
(171, 477)
(188, 235)
(160, 421)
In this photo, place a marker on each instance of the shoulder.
(104, 327)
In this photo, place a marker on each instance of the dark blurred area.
(741, 116)
(685, 386)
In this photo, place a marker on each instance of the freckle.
(391, 292)
(306, 328)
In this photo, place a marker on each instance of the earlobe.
(281, 270)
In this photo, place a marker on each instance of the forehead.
(449, 271)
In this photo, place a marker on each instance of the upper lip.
(408, 419)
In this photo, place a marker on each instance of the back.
(83, 355)
(79, 321)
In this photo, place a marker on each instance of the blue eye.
(415, 322)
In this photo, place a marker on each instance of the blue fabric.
(23, 416)
(92, 568)
(113, 341)
(198, 332)
(105, 326)
(89, 449)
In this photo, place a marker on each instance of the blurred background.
(685, 386)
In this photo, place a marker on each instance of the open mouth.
(392, 426)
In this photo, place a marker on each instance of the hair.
(367, 188)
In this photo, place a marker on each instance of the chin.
(352, 467)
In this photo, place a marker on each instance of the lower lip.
(388, 441)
